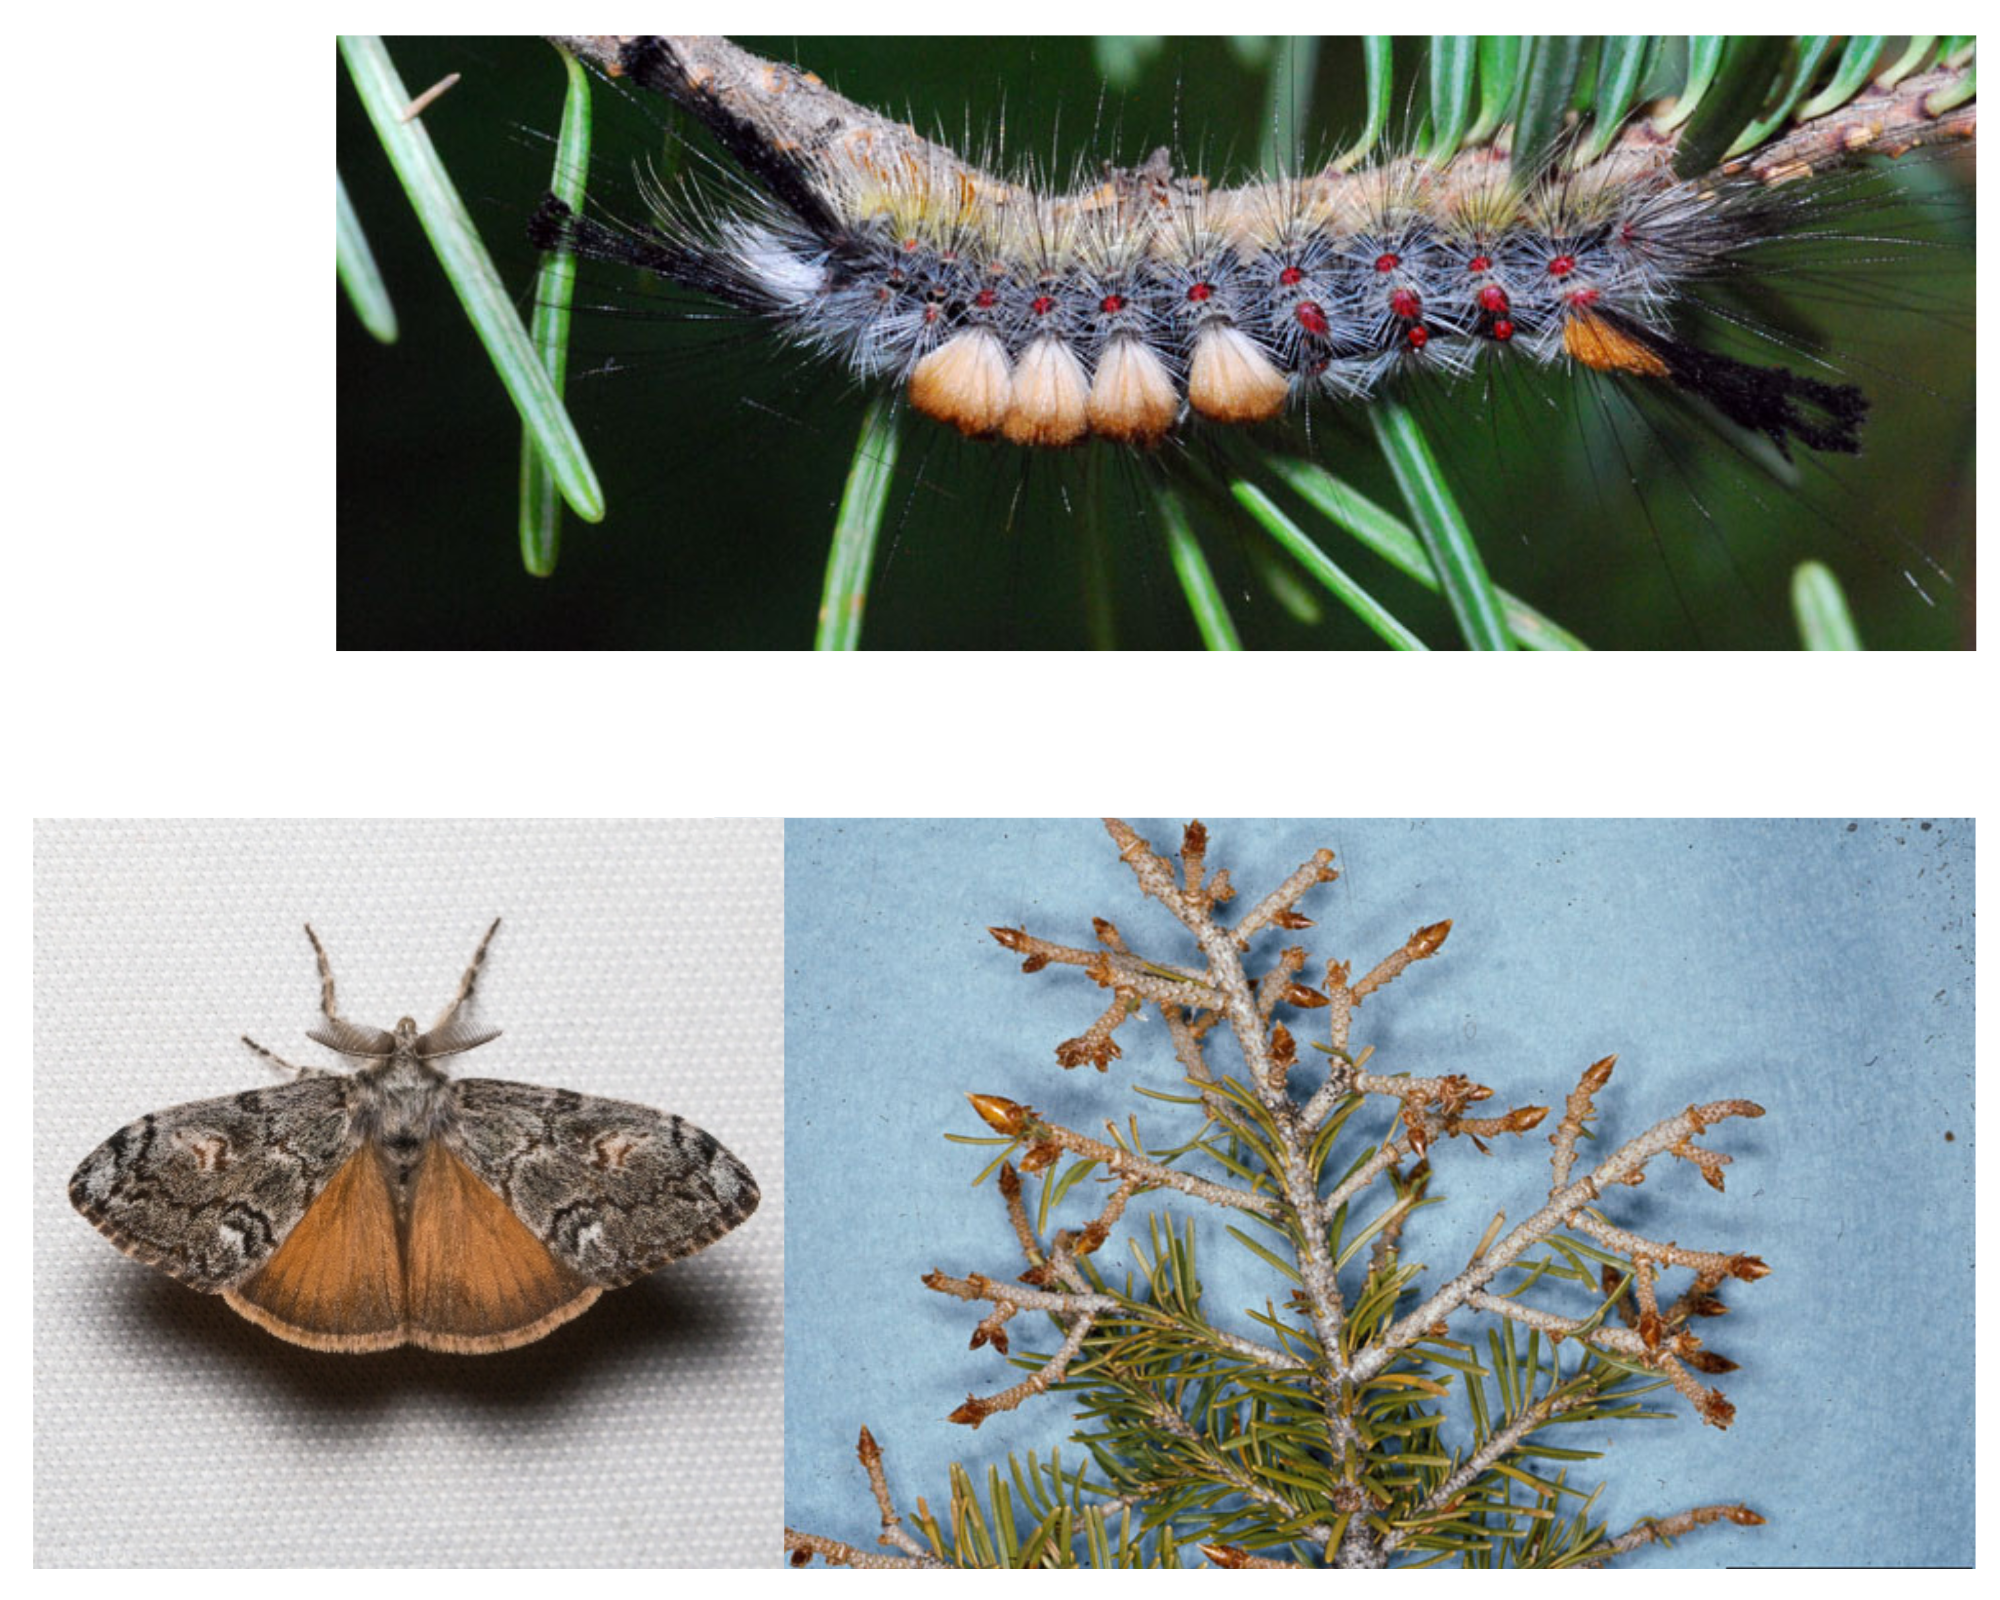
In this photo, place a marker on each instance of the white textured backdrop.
(641, 960)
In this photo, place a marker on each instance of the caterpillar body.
(1127, 306)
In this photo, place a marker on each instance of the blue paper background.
(1821, 968)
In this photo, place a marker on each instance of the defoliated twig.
(1564, 1205)
(807, 1545)
(1020, 1122)
(979, 1287)
(802, 1547)
(1672, 1527)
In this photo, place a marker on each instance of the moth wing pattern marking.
(208, 1191)
(614, 1190)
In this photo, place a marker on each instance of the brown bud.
(1040, 1155)
(1107, 932)
(1522, 1118)
(1744, 1515)
(1708, 1361)
(1598, 1074)
(1010, 1181)
(990, 1332)
(1194, 839)
(869, 1451)
(1001, 1115)
(1705, 1305)
(1323, 866)
(1283, 1051)
(972, 1413)
(1035, 962)
(1297, 994)
(802, 1558)
(1012, 938)
(1099, 1052)
(1715, 1409)
(1226, 1555)
(1336, 974)
(1748, 1268)
(1426, 940)
(1649, 1329)
(1291, 919)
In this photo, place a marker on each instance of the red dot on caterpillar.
(1043, 305)
(1492, 298)
(1419, 336)
(1200, 292)
(985, 299)
(1387, 263)
(1406, 303)
(1290, 276)
(1503, 329)
(1480, 264)
(1113, 304)
(1562, 266)
(1311, 318)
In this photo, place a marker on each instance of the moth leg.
(465, 984)
(280, 1062)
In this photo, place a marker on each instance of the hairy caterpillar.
(751, 424)
(1118, 309)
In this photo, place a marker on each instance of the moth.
(393, 1205)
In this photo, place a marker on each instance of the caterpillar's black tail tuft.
(1773, 401)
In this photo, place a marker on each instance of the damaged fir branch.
(1322, 1443)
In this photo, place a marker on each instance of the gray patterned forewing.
(613, 1189)
(207, 1191)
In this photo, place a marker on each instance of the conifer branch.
(1674, 1526)
(1542, 1412)
(1043, 1139)
(1300, 1183)
(1566, 1205)
(1326, 1440)
(804, 1546)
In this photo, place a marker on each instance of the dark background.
(723, 459)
